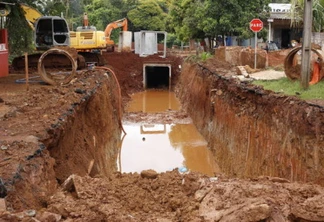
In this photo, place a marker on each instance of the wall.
(85, 141)
(253, 132)
(91, 134)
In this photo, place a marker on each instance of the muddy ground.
(31, 129)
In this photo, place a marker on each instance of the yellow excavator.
(53, 31)
(87, 37)
(63, 47)
(31, 14)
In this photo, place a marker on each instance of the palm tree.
(297, 14)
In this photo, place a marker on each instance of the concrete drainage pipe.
(293, 68)
(57, 77)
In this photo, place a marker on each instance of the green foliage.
(172, 40)
(297, 14)
(187, 19)
(197, 19)
(101, 13)
(318, 15)
(263, 34)
(203, 57)
(289, 87)
(20, 40)
(148, 15)
(55, 8)
(280, 1)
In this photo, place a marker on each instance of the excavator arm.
(122, 23)
(31, 14)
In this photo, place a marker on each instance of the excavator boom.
(122, 23)
(31, 14)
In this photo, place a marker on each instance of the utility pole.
(307, 48)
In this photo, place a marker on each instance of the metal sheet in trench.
(163, 147)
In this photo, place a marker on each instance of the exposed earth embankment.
(253, 131)
(59, 146)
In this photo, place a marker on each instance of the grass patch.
(202, 57)
(288, 87)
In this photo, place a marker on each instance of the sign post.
(256, 25)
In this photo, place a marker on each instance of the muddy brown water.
(160, 146)
(153, 101)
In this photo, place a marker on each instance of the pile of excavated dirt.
(35, 185)
(276, 59)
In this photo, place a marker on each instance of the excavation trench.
(249, 132)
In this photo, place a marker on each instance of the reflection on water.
(152, 101)
(148, 151)
(163, 147)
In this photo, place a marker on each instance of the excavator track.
(58, 65)
(59, 60)
(19, 62)
(91, 57)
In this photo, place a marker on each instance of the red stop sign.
(256, 25)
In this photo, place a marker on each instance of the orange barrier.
(316, 74)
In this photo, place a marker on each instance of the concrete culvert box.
(157, 76)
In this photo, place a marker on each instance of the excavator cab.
(51, 31)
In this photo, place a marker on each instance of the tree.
(55, 8)
(210, 18)
(185, 17)
(297, 14)
(20, 40)
(147, 15)
(280, 1)
(248, 11)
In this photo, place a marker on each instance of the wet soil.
(37, 185)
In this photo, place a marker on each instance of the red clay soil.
(129, 68)
(27, 116)
(276, 58)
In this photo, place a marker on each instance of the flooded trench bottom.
(161, 138)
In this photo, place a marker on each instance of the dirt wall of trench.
(253, 132)
(84, 140)
(87, 144)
